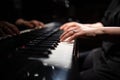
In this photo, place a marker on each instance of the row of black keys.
(41, 43)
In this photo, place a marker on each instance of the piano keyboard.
(37, 54)
(48, 49)
(61, 56)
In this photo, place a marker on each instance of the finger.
(2, 33)
(37, 23)
(66, 35)
(71, 29)
(7, 30)
(29, 24)
(77, 35)
(63, 26)
(41, 24)
(14, 29)
(73, 37)
(70, 26)
(66, 25)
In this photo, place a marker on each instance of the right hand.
(73, 30)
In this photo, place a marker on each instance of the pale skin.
(73, 30)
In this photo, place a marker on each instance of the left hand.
(30, 24)
(7, 28)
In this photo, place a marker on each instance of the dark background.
(85, 11)
(89, 11)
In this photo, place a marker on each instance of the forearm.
(106, 30)
(111, 30)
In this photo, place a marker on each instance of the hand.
(73, 30)
(30, 24)
(7, 28)
(71, 24)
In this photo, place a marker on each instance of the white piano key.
(60, 57)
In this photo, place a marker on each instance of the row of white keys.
(60, 57)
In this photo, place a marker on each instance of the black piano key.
(40, 41)
(46, 46)
(35, 49)
(32, 54)
(52, 44)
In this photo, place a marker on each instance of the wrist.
(94, 31)
(99, 31)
